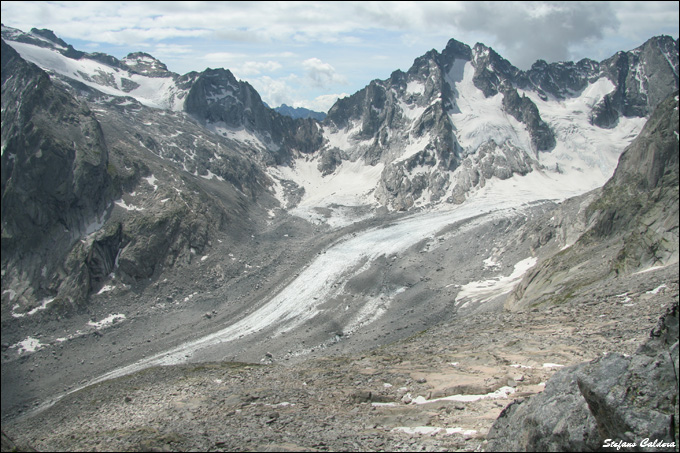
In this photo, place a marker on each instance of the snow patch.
(657, 289)
(502, 392)
(29, 345)
(432, 430)
(415, 87)
(485, 290)
(106, 288)
(212, 175)
(152, 182)
(107, 321)
(43, 305)
(126, 206)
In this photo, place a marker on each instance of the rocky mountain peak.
(229, 107)
(145, 64)
(491, 70)
(55, 179)
(216, 96)
(49, 34)
(455, 50)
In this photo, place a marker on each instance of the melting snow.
(124, 205)
(432, 430)
(106, 321)
(11, 292)
(485, 290)
(152, 182)
(43, 305)
(502, 392)
(415, 87)
(28, 345)
(106, 288)
(657, 289)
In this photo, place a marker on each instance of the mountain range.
(149, 206)
(300, 112)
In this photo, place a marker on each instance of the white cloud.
(290, 90)
(322, 74)
(163, 49)
(321, 103)
(275, 91)
(250, 68)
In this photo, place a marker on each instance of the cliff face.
(633, 225)
(55, 172)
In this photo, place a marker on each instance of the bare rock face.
(525, 111)
(643, 77)
(615, 399)
(55, 173)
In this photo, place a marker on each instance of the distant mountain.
(438, 133)
(84, 199)
(300, 112)
(458, 118)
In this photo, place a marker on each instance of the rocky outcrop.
(491, 161)
(491, 70)
(525, 111)
(81, 204)
(620, 400)
(145, 64)
(560, 80)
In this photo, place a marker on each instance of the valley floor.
(439, 390)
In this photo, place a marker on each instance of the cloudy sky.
(307, 54)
